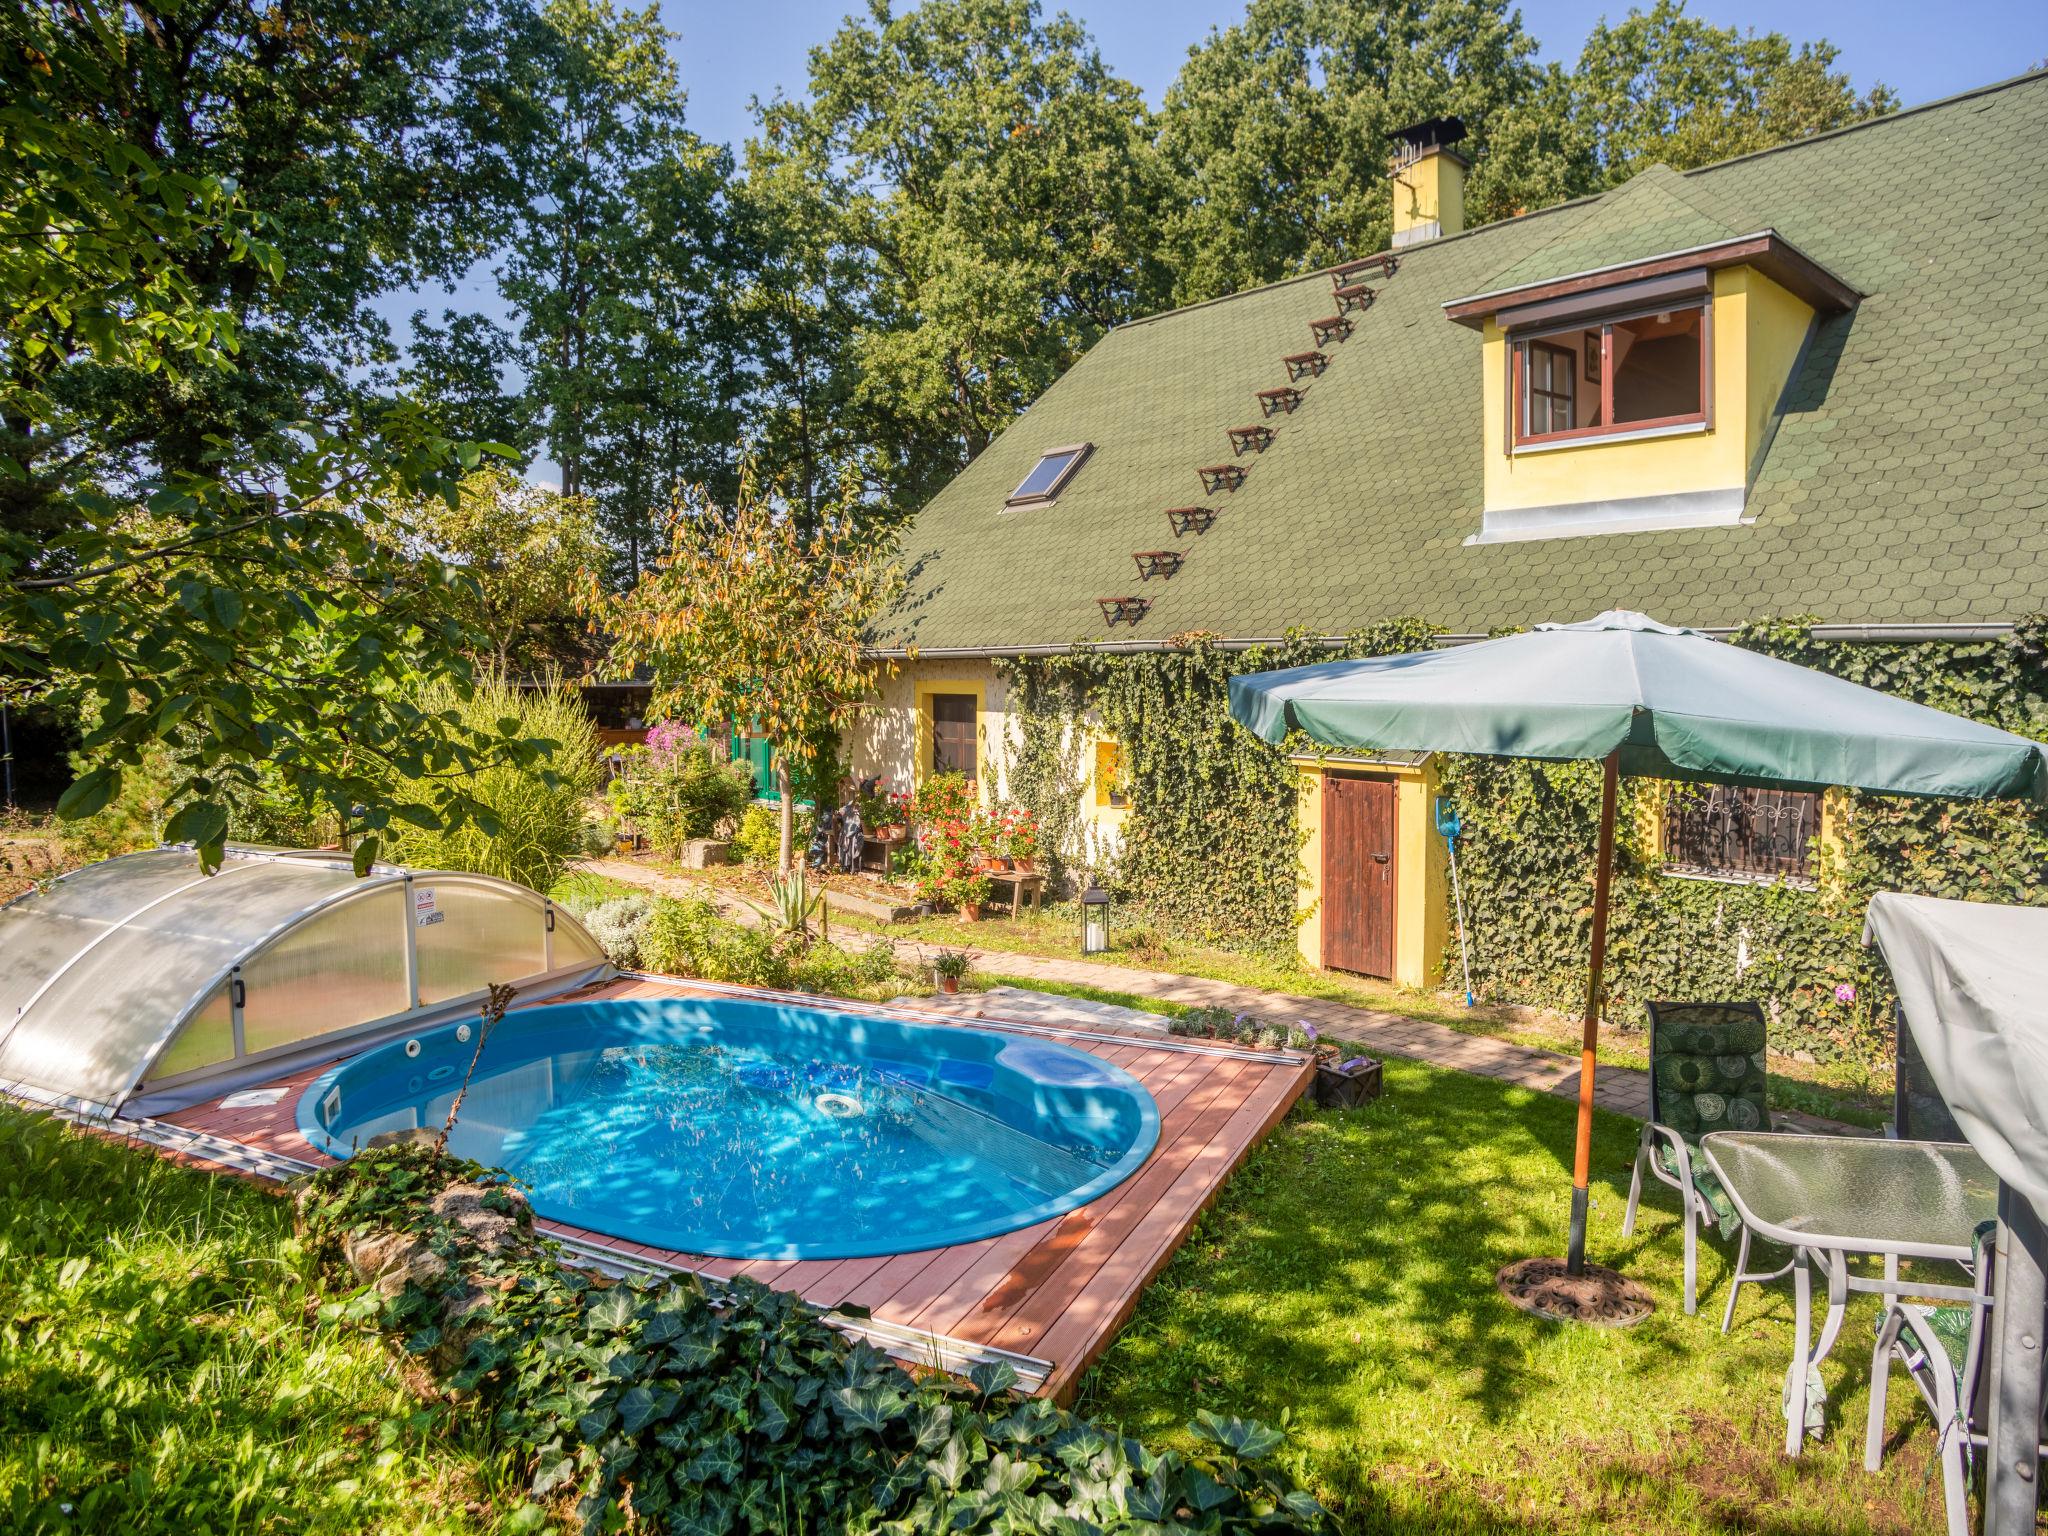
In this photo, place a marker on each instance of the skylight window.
(1053, 470)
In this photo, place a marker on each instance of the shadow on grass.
(1345, 1283)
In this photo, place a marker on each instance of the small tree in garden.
(757, 618)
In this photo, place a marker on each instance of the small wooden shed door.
(1358, 874)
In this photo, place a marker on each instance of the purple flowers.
(1844, 993)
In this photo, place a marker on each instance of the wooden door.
(1358, 874)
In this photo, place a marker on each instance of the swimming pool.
(754, 1129)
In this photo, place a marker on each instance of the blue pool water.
(758, 1130)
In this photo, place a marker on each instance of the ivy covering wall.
(1528, 882)
(1211, 848)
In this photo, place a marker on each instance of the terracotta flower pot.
(948, 984)
(1024, 865)
(970, 911)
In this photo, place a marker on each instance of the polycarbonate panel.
(93, 1032)
(572, 945)
(471, 935)
(207, 1039)
(40, 931)
(342, 967)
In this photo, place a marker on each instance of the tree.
(1663, 86)
(230, 601)
(754, 617)
(375, 135)
(621, 273)
(1277, 129)
(990, 205)
(524, 554)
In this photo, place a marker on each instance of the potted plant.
(948, 966)
(1022, 836)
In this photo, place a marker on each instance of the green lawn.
(1839, 1092)
(159, 1371)
(1344, 1282)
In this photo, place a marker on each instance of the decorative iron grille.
(1740, 834)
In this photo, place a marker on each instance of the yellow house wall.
(1757, 328)
(891, 739)
(1421, 869)
(1779, 322)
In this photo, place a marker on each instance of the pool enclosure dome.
(140, 983)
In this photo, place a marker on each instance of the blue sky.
(730, 54)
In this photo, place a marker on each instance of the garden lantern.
(1094, 920)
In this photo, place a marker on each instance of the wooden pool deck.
(1053, 1294)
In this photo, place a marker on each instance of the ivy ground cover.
(1343, 1288)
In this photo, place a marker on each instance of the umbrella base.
(1604, 1297)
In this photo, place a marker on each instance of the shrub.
(620, 925)
(759, 838)
(751, 1414)
(539, 813)
(674, 790)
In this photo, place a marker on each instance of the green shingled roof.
(1907, 481)
(1654, 213)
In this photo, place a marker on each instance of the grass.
(1835, 1092)
(159, 1371)
(1344, 1284)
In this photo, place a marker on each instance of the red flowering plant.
(952, 838)
(1014, 834)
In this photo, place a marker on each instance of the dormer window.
(1635, 375)
(1049, 475)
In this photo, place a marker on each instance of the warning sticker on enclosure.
(426, 911)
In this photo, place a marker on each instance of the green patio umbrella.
(1646, 699)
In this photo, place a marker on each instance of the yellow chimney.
(1429, 181)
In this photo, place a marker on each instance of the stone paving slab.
(1037, 1008)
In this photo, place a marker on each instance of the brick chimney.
(1429, 180)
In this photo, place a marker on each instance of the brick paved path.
(1625, 1090)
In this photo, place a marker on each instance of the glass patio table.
(1830, 1197)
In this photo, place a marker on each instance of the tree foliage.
(621, 271)
(1277, 129)
(525, 554)
(755, 617)
(217, 589)
(991, 187)
(1660, 85)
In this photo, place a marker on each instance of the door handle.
(1379, 858)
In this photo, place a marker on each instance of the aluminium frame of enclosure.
(142, 1093)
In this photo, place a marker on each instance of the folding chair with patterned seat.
(1706, 1074)
(1942, 1349)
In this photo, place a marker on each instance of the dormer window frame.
(1018, 500)
(1606, 430)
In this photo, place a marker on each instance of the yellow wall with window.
(1421, 866)
(1756, 331)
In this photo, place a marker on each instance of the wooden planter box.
(1347, 1090)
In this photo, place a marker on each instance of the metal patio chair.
(1942, 1349)
(1706, 1074)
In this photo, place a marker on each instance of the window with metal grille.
(1731, 833)
(954, 747)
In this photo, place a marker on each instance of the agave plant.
(795, 902)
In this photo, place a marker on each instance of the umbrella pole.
(1603, 877)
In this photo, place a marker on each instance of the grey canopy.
(142, 971)
(1973, 985)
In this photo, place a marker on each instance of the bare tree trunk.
(785, 861)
